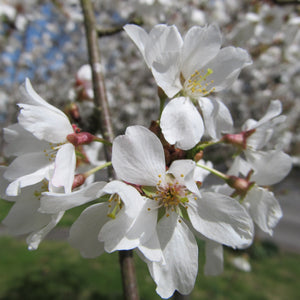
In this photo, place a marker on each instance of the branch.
(113, 30)
(100, 96)
(102, 110)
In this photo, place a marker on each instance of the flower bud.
(238, 139)
(80, 138)
(198, 156)
(79, 179)
(241, 185)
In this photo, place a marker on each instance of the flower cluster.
(159, 203)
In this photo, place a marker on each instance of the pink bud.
(80, 138)
(79, 179)
(238, 139)
(241, 185)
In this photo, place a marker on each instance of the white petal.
(13, 189)
(44, 123)
(226, 67)
(274, 110)
(84, 231)
(20, 141)
(181, 168)
(35, 238)
(31, 97)
(216, 116)
(166, 72)
(221, 219)
(24, 217)
(65, 163)
(144, 223)
(201, 44)
(25, 170)
(263, 208)
(26, 164)
(181, 123)
(181, 258)
(113, 233)
(213, 258)
(162, 39)
(239, 166)
(151, 249)
(139, 36)
(55, 202)
(270, 167)
(138, 156)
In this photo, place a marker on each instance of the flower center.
(199, 84)
(170, 194)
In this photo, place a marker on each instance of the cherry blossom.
(138, 158)
(39, 142)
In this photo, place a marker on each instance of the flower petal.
(45, 124)
(32, 98)
(201, 44)
(226, 67)
(56, 202)
(180, 251)
(138, 156)
(181, 123)
(263, 208)
(24, 217)
(213, 258)
(181, 168)
(263, 165)
(151, 249)
(84, 231)
(166, 72)
(139, 36)
(35, 238)
(162, 39)
(20, 141)
(113, 233)
(216, 116)
(221, 219)
(64, 170)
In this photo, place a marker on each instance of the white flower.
(195, 64)
(41, 146)
(138, 158)
(270, 166)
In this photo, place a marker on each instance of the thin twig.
(102, 109)
(100, 95)
(102, 32)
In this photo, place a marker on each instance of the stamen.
(198, 83)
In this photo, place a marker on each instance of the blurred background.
(45, 41)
